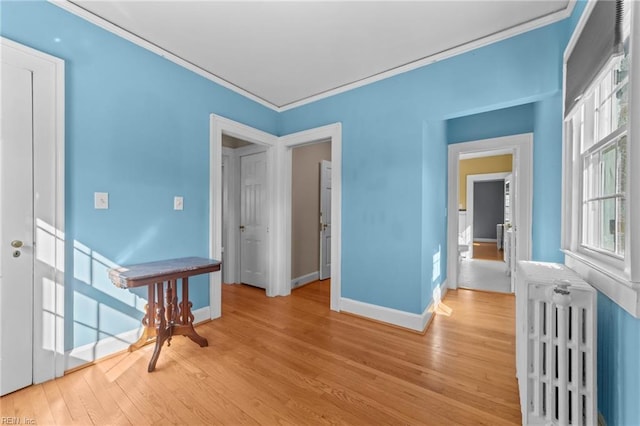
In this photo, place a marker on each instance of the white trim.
(331, 132)
(624, 293)
(250, 150)
(471, 155)
(92, 352)
(279, 172)
(408, 320)
(471, 179)
(220, 125)
(522, 170)
(632, 266)
(305, 279)
(121, 32)
(484, 41)
(49, 178)
(621, 283)
(467, 47)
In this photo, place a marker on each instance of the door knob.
(16, 243)
(241, 228)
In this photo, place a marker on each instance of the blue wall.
(434, 213)
(137, 126)
(492, 124)
(618, 364)
(547, 180)
(394, 156)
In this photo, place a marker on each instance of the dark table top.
(164, 270)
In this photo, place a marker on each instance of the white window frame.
(618, 279)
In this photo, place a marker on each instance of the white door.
(253, 219)
(325, 220)
(513, 224)
(16, 229)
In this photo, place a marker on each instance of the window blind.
(595, 46)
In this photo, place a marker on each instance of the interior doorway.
(462, 271)
(485, 201)
(333, 134)
(279, 163)
(310, 225)
(245, 214)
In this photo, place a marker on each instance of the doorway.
(279, 157)
(333, 134)
(459, 239)
(310, 225)
(485, 203)
(244, 212)
(31, 215)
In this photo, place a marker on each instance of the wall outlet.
(101, 200)
(178, 203)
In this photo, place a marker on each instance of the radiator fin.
(555, 345)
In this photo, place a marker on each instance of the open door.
(16, 230)
(253, 220)
(325, 220)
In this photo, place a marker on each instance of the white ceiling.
(287, 52)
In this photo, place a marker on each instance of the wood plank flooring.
(487, 251)
(293, 361)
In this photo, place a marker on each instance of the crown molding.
(475, 44)
(445, 54)
(145, 44)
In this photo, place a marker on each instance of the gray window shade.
(594, 48)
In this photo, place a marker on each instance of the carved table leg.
(171, 305)
(148, 321)
(186, 317)
(163, 330)
(171, 318)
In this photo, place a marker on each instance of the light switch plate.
(101, 200)
(178, 203)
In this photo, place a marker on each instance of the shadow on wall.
(101, 311)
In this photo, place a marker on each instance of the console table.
(164, 315)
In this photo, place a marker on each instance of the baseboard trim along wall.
(93, 352)
(305, 279)
(408, 320)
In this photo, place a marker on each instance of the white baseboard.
(202, 314)
(92, 352)
(411, 321)
(305, 279)
(485, 240)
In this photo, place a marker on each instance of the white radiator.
(555, 345)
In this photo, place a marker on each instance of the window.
(599, 130)
(600, 135)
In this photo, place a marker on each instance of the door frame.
(279, 158)
(231, 255)
(321, 276)
(49, 225)
(522, 170)
(332, 133)
(218, 126)
(471, 179)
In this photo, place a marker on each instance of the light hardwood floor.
(293, 361)
(487, 251)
